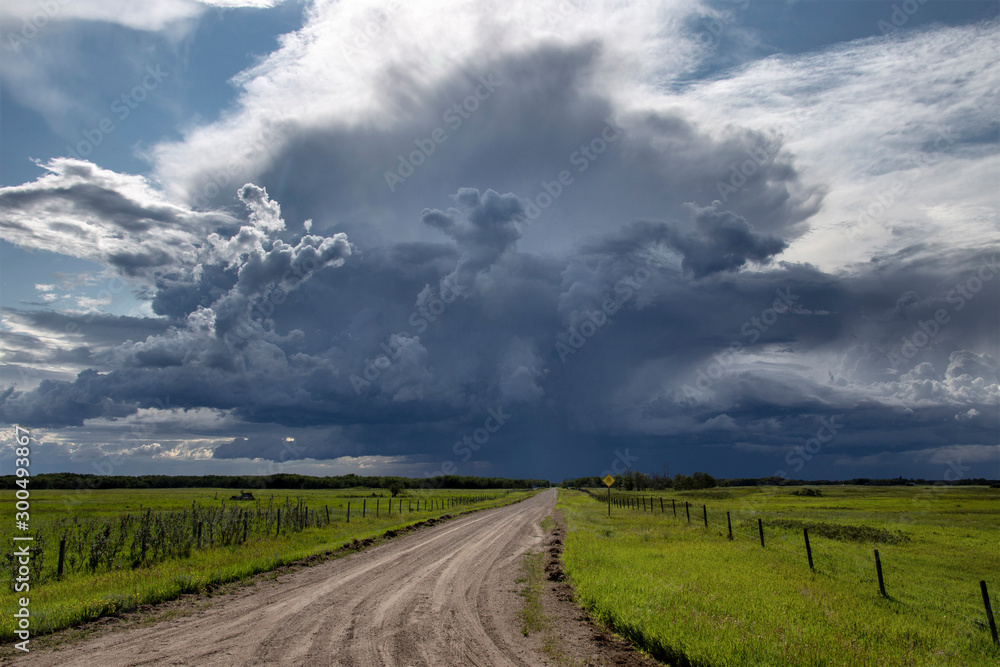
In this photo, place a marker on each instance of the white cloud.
(137, 15)
(367, 64)
(94, 303)
(868, 116)
(80, 210)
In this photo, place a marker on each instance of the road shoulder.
(565, 635)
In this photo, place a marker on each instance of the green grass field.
(84, 594)
(689, 595)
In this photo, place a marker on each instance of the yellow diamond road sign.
(609, 480)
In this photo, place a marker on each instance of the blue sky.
(744, 237)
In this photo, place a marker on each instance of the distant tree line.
(857, 481)
(66, 480)
(633, 480)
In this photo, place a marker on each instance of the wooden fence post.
(878, 570)
(673, 503)
(661, 505)
(809, 553)
(277, 531)
(989, 611)
(364, 508)
(348, 511)
(760, 529)
(327, 507)
(704, 509)
(62, 556)
(199, 532)
(687, 508)
(146, 533)
(729, 522)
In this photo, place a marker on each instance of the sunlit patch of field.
(690, 595)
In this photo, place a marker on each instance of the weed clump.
(843, 532)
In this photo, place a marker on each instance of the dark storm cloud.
(724, 241)
(101, 328)
(496, 349)
(44, 341)
(284, 362)
(134, 263)
(656, 259)
(720, 241)
(176, 298)
(623, 166)
(483, 229)
(56, 403)
(283, 444)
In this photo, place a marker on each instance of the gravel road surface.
(441, 596)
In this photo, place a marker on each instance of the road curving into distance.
(441, 596)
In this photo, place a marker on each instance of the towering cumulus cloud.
(666, 227)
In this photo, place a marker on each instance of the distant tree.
(702, 480)
(658, 482)
(699, 480)
(633, 480)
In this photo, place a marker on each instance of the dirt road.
(443, 596)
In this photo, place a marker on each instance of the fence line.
(135, 539)
(837, 558)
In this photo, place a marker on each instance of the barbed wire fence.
(971, 603)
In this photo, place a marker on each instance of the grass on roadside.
(689, 596)
(532, 615)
